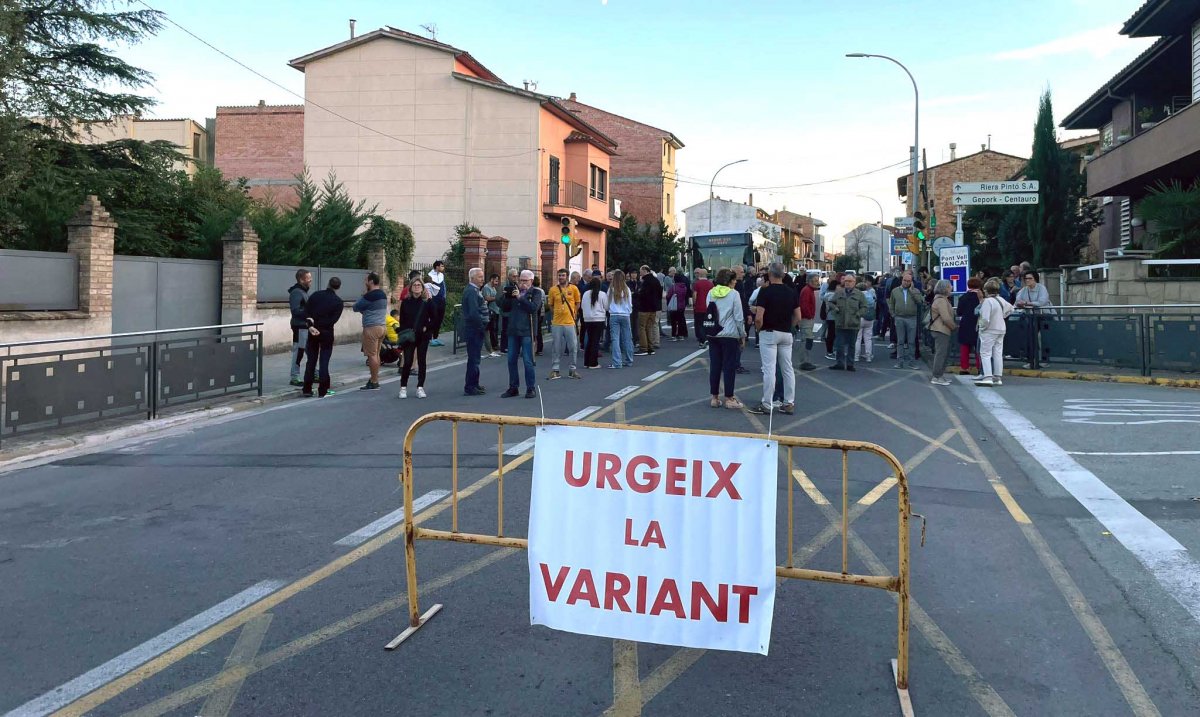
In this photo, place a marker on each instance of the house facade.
(1148, 118)
(435, 139)
(188, 136)
(264, 144)
(800, 231)
(983, 166)
(872, 243)
(644, 178)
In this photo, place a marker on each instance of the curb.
(1106, 378)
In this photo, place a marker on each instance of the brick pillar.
(497, 256)
(90, 237)
(474, 251)
(377, 262)
(239, 273)
(551, 256)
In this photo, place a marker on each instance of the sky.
(762, 80)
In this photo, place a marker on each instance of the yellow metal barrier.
(898, 583)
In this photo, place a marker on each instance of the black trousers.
(592, 331)
(493, 330)
(419, 350)
(319, 349)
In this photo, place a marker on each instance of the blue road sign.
(956, 267)
(899, 244)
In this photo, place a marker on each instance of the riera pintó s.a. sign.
(654, 537)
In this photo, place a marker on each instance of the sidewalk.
(347, 367)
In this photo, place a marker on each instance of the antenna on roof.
(530, 85)
(431, 28)
(352, 22)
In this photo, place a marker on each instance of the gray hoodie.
(729, 312)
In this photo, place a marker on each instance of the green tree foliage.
(1058, 226)
(57, 63)
(1172, 214)
(634, 244)
(325, 228)
(395, 238)
(850, 261)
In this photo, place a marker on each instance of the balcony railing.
(567, 194)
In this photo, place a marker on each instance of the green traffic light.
(566, 238)
(920, 235)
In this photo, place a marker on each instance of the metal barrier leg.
(900, 666)
(415, 618)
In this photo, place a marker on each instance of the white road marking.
(689, 357)
(1091, 410)
(621, 394)
(1134, 453)
(1166, 559)
(526, 444)
(655, 375)
(94, 679)
(376, 527)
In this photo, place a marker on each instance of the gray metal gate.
(153, 294)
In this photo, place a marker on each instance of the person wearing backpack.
(992, 326)
(864, 346)
(725, 328)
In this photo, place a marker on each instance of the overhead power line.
(694, 180)
(307, 101)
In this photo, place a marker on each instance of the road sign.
(899, 244)
(941, 243)
(956, 267)
(905, 221)
(908, 258)
(1025, 185)
(979, 200)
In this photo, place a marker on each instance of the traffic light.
(566, 230)
(919, 227)
(576, 240)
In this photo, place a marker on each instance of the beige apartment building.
(188, 135)
(435, 139)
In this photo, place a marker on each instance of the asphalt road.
(129, 575)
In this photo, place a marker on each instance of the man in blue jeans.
(475, 321)
(524, 302)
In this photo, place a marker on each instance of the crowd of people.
(616, 315)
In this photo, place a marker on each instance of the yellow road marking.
(239, 673)
(670, 670)
(898, 424)
(627, 688)
(244, 650)
(808, 486)
(94, 699)
(1123, 675)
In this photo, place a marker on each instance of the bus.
(723, 250)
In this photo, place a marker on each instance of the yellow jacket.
(564, 303)
(392, 325)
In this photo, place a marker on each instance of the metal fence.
(38, 281)
(274, 280)
(1142, 337)
(160, 293)
(61, 382)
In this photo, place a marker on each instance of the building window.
(666, 150)
(599, 184)
(1126, 221)
(553, 184)
(196, 145)
(1106, 136)
(668, 202)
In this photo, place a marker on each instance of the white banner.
(654, 537)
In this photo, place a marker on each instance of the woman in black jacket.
(968, 329)
(417, 314)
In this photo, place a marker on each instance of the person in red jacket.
(701, 286)
(809, 296)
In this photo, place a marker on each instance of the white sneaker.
(420, 392)
(985, 381)
(997, 382)
(494, 354)
(979, 378)
(403, 392)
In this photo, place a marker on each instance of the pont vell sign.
(654, 537)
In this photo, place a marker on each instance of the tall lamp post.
(882, 242)
(710, 189)
(914, 189)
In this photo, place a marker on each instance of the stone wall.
(1129, 283)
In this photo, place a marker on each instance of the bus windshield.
(721, 251)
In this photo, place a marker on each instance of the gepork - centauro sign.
(654, 537)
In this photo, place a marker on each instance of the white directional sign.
(1025, 185)
(980, 200)
(905, 221)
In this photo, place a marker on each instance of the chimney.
(953, 151)
(352, 21)
(262, 103)
(983, 148)
(751, 200)
(572, 97)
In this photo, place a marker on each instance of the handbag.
(673, 304)
(405, 337)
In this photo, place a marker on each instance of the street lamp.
(710, 190)
(883, 248)
(916, 121)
